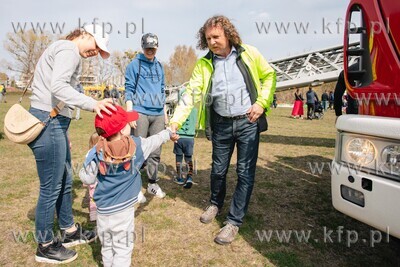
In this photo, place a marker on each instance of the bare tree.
(181, 64)
(25, 48)
(104, 71)
(96, 71)
(167, 73)
(3, 76)
(122, 59)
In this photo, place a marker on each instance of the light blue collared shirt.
(230, 96)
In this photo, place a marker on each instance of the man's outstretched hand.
(173, 128)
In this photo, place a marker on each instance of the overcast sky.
(261, 23)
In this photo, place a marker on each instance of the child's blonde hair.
(94, 138)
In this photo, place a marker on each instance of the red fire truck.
(366, 167)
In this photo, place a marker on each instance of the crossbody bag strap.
(54, 112)
(26, 89)
(138, 75)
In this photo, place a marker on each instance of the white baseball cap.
(100, 37)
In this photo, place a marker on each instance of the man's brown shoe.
(227, 234)
(209, 214)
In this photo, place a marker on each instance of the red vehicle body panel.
(381, 96)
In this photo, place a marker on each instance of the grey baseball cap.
(149, 40)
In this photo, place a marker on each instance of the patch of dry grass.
(287, 196)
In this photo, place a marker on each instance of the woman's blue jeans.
(227, 133)
(53, 162)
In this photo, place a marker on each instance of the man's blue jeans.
(53, 162)
(227, 133)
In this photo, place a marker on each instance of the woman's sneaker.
(188, 183)
(79, 237)
(155, 189)
(55, 253)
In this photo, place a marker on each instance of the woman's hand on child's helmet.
(104, 105)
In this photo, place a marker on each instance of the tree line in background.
(26, 48)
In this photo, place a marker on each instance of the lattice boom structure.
(301, 70)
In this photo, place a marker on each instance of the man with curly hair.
(233, 85)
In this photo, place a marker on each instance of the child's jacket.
(118, 183)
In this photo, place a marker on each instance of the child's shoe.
(179, 180)
(188, 183)
(155, 190)
(141, 198)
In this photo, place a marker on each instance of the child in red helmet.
(115, 162)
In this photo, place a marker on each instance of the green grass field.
(288, 198)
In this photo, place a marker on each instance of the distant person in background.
(297, 111)
(275, 101)
(2, 87)
(3, 94)
(114, 92)
(340, 88)
(106, 93)
(325, 100)
(311, 99)
(331, 100)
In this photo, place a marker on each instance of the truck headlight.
(391, 158)
(361, 151)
